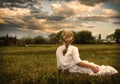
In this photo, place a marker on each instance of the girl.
(68, 59)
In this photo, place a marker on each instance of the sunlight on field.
(36, 64)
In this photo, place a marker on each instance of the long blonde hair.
(67, 38)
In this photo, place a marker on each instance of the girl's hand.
(95, 69)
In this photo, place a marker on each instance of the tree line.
(115, 36)
(80, 37)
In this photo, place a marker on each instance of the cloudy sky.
(41, 17)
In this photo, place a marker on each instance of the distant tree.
(75, 37)
(21, 42)
(110, 37)
(58, 36)
(2, 42)
(117, 35)
(52, 38)
(84, 37)
(99, 37)
(39, 40)
(27, 40)
(6, 42)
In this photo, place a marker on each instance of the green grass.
(36, 64)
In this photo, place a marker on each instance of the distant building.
(7, 41)
(108, 41)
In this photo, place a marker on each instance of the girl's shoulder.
(72, 46)
(60, 47)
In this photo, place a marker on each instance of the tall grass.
(36, 64)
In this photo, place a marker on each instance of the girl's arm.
(88, 65)
(81, 63)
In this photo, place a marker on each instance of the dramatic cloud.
(20, 14)
(12, 18)
(71, 8)
(33, 5)
(91, 2)
(43, 16)
(17, 12)
(75, 9)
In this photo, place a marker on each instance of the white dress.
(71, 58)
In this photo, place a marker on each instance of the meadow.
(36, 64)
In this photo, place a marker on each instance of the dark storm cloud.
(19, 1)
(35, 9)
(37, 16)
(91, 2)
(32, 26)
(37, 12)
(118, 23)
(61, 0)
(40, 17)
(94, 18)
(94, 2)
(9, 26)
(14, 3)
(90, 26)
(86, 2)
(55, 18)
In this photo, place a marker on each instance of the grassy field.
(36, 64)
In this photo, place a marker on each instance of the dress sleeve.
(58, 62)
(76, 57)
